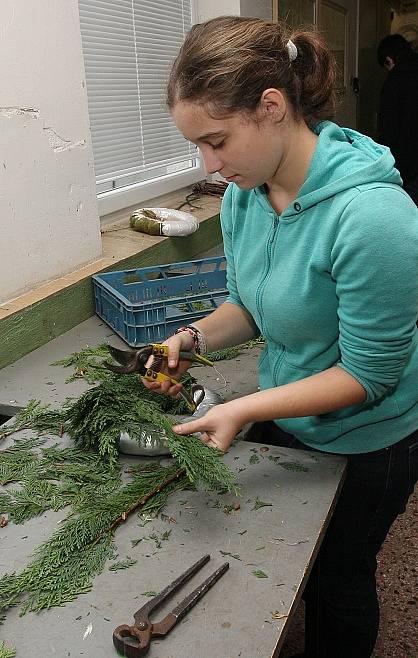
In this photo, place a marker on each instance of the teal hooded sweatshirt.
(333, 281)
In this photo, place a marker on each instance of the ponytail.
(229, 61)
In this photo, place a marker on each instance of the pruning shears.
(135, 361)
(135, 640)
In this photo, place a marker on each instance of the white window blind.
(128, 46)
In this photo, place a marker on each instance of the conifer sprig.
(6, 651)
(97, 418)
(64, 566)
(87, 363)
(35, 416)
(51, 479)
(87, 477)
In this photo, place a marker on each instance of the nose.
(212, 162)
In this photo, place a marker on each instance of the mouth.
(230, 179)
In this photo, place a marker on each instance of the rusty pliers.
(135, 361)
(134, 641)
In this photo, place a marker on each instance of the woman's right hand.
(173, 366)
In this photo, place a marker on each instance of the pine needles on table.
(64, 566)
(97, 418)
(87, 478)
(6, 651)
(35, 416)
(87, 363)
(52, 479)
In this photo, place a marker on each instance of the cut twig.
(140, 503)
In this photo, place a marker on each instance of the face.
(241, 150)
(389, 63)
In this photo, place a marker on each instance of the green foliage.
(260, 503)
(226, 354)
(119, 404)
(96, 420)
(203, 465)
(64, 566)
(123, 564)
(87, 478)
(88, 364)
(37, 417)
(38, 476)
(232, 352)
(294, 466)
(6, 651)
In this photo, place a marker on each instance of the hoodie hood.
(343, 159)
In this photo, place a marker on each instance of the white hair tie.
(292, 50)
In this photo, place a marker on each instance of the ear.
(273, 105)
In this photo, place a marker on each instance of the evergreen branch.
(38, 494)
(225, 354)
(89, 481)
(123, 564)
(6, 651)
(64, 566)
(202, 463)
(37, 417)
(97, 418)
(35, 499)
(140, 503)
(88, 364)
(231, 352)
(14, 467)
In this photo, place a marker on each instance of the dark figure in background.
(398, 113)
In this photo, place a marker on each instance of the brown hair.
(229, 61)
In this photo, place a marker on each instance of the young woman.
(322, 258)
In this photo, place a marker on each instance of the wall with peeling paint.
(48, 207)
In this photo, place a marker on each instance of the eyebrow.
(216, 133)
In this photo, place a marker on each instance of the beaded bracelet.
(199, 341)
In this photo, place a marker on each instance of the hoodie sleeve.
(375, 266)
(226, 226)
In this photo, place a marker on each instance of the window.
(128, 46)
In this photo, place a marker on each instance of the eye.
(218, 145)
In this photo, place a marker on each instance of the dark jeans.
(342, 609)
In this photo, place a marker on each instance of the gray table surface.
(242, 616)
(33, 376)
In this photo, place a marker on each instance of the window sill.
(34, 318)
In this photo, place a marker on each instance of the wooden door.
(338, 22)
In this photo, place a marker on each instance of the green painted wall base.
(39, 323)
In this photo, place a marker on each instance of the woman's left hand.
(218, 427)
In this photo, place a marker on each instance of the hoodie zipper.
(261, 286)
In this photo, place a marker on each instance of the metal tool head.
(134, 641)
(130, 360)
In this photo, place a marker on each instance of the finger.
(174, 391)
(149, 362)
(174, 346)
(210, 441)
(165, 386)
(190, 428)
